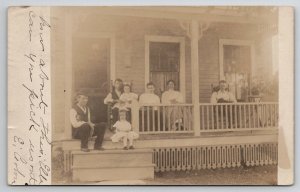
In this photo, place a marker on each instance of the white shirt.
(74, 121)
(222, 95)
(170, 95)
(149, 98)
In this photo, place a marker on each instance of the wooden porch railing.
(154, 119)
(238, 116)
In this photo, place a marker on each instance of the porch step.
(112, 165)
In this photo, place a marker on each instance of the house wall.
(130, 35)
(209, 53)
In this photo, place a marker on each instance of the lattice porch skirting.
(212, 157)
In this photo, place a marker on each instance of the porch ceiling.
(232, 14)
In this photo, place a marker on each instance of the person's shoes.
(99, 148)
(85, 150)
(125, 148)
(131, 147)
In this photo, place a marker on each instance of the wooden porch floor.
(174, 140)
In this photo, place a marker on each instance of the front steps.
(113, 164)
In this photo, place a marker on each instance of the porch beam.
(169, 13)
(195, 75)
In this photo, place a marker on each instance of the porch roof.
(231, 14)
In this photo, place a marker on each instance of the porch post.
(135, 116)
(69, 77)
(195, 75)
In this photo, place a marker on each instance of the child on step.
(124, 131)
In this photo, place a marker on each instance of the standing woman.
(112, 100)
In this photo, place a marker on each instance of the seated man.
(82, 127)
(222, 95)
(149, 98)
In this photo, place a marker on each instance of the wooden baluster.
(268, 114)
(231, 118)
(185, 119)
(249, 115)
(153, 119)
(240, 116)
(158, 117)
(169, 112)
(202, 118)
(222, 120)
(191, 121)
(253, 115)
(235, 116)
(143, 118)
(226, 116)
(212, 117)
(258, 112)
(148, 119)
(164, 118)
(217, 116)
(207, 117)
(245, 119)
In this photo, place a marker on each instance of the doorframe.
(167, 39)
(112, 59)
(236, 42)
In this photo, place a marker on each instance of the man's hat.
(81, 92)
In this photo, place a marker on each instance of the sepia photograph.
(172, 95)
(160, 95)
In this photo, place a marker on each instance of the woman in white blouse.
(174, 114)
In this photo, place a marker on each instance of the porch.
(241, 134)
(200, 51)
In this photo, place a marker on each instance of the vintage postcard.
(161, 95)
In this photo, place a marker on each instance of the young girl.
(127, 99)
(124, 131)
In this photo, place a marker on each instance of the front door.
(237, 70)
(91, 58)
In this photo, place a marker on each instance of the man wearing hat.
(222, 95)
(82, 127)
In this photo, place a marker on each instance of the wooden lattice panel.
(212, 157)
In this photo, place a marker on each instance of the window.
(164, 64)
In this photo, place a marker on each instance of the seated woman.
(112, 100)
(127, 99)
(149, 114)
(222, 95)
(174, 114)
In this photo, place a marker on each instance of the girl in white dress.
(124, 131)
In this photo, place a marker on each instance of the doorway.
(236, 63)
(91, 75)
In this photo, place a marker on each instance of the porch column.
(195, 75)
(69, 75)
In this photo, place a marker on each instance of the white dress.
(128, 99)
(123, 129)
